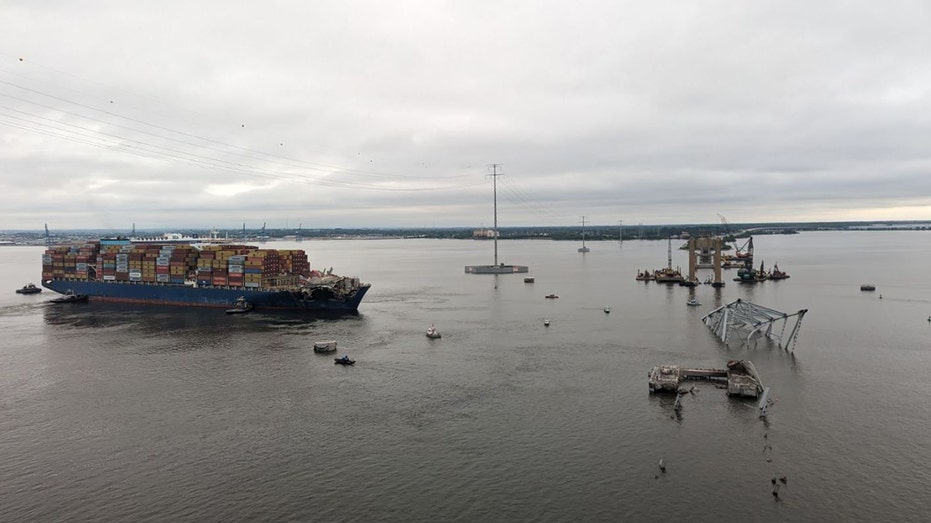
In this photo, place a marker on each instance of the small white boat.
(693, 302)
(433, 333)
(607, 310)
(546, 323)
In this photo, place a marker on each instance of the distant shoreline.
(554, 233)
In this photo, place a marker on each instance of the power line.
(97, 138)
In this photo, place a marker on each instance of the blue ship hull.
(220, 297)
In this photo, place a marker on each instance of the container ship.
(120, 270)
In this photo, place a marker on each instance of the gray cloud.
(365, 113)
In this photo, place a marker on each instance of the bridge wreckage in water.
(741, 377)
(748, 320)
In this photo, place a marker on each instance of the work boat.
(240, 306)
(29, 288)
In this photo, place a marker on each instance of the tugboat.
(241, 306)
(644, 276)
(69, 297)
(777, 274)
(29, 289)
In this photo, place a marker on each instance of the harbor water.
(114, 412)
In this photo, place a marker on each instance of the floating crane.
(738, 250)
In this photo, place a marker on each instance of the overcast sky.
(388, 113)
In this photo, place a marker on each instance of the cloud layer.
(367, 113)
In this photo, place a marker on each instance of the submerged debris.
(743, 379)
(748, 320)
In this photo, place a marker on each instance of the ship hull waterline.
(217, 297)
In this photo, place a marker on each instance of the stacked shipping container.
(226, 265)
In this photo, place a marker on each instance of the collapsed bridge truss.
(745, 319)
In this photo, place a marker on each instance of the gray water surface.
(130, 413)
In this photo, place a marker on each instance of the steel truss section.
(749, 320)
